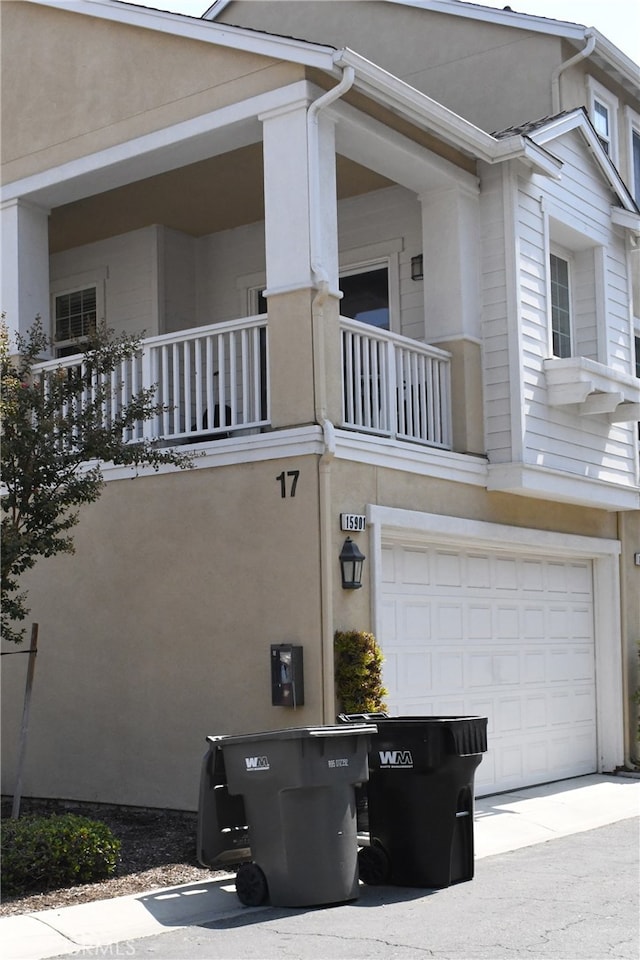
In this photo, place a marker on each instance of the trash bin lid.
(296, 733)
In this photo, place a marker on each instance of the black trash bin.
(297, 793)
(420, 799)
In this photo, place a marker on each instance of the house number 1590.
(282, 479)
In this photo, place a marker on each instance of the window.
(366, 296)
(75, 319)
(635, 164)
(560, 306)
(603, 109)
(602, 125)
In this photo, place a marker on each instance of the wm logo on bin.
(257, 763)
(395, 758)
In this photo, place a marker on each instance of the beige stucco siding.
(158, 631)
(461, 63)
(73, 85)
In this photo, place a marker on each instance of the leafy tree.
(58, 425)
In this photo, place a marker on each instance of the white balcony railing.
(395, 386)
(212, 381)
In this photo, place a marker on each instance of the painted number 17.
(282, 479)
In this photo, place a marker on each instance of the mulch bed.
(158, 850)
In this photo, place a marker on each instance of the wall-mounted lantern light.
(351, 560)
(417, 271)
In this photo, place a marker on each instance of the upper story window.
(75, 319)
(603, 109)
(365, 296)
(560, 305)
(633, 140)
(635, 161)
(77, 307)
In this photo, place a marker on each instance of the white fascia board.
(578, 120)
(215, 9)
(614, 57)
(506, 18)
(194, 28)
(535, 157)
(573, 32)
(628, 219)
(410, 458)
(528, 480)
(417, 107)
(281, 444)
(152, 153)
(437, 119)
(447, 527)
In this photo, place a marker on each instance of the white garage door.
(500, 635)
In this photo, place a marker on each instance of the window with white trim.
(77, 308)
(635, 163)
(559, 280)
(75, 319)
(365, 295)
(603, 111)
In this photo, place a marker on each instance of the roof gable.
(543, 133)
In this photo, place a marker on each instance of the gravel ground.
(158, 850)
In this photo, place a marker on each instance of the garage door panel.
(414, 617)
(450, 672)
(484, 634)
(448, 621)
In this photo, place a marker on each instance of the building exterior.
(359, 299)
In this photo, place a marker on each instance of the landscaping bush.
(358, 672)
(42, 853)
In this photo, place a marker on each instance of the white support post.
(24, 267)
(300, 199)
(286, 198)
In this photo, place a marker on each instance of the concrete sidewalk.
(503, 822)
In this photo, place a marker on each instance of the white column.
(300, 199)
(24, 267)
(450, 239)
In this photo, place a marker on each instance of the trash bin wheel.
(373, 864)
(251, 885)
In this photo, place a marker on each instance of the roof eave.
(578, 120)
(194, 28)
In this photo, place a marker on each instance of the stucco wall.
(101, 83)
(461, 63)
(157, 632)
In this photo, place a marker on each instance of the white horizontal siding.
(560, 438)
(386, 216)
(129, 262)
(230, 261)
(495, 320)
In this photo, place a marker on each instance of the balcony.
(214, 383)
(395, 387)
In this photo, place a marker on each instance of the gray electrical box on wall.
(287, 676)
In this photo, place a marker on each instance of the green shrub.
(43, 853)
(358, 672)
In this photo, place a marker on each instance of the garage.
(468, 628)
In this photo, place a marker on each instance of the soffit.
(216, 194)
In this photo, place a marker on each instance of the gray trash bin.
(297, 788)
